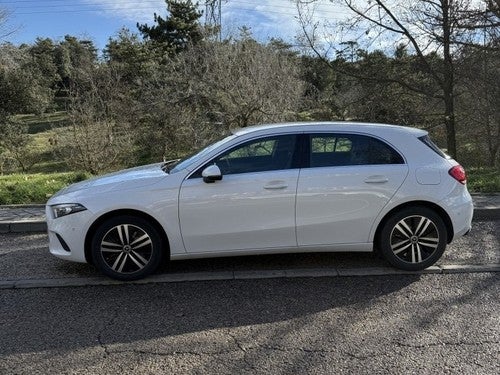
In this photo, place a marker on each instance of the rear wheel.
(127, 248)
(413, 238)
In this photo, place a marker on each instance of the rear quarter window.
(427, 141)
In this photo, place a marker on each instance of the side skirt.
(358, 247)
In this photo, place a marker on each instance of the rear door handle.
(377, 179)
(276, 185)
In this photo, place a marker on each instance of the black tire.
(413, 238)
(127, 248)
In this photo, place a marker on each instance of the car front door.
(347, 180)
(252, 207)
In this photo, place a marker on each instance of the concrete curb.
(32, 205)
(23, 226)
(247, 275)
(469, 268)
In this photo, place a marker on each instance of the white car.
(303, 187)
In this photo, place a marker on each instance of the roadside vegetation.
(35, 188)
(67, 113)
(483, 180)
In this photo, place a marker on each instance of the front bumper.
(72, 229)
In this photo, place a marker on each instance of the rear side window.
(329, 150)
(427, 140)
(330, 144)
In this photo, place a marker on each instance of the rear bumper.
(460, 209)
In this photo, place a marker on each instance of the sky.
(98, 20)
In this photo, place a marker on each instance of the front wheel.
(413, 238)
(127, 248)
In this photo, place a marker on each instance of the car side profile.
(301, 187)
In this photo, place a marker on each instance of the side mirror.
(211, 174)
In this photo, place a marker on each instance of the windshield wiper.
(168, 165)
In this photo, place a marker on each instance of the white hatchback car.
(303, 187)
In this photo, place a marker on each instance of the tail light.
(458, 173)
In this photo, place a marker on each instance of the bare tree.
(494, 6)
(5, 30)
(252, 83)
(427, 27)
(482, 22)
(16, 144)
(21, 91)
(201, 93)
(98, 139)
(478, 108)
(169, 109)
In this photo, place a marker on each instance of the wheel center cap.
(127, 248)
(414, 239)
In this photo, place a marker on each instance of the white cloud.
(129, 10)
(274, 18)
(266, 18)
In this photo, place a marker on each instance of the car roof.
(340, 126)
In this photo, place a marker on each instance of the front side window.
(264, 148)
(259, 155)
(329, 150)
(194, 158)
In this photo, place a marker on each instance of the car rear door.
(346, 181)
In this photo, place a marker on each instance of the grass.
(42, 148)
(43, 131)
(40, 123)
(35, 188)
(483, 180)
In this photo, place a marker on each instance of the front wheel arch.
(123, 212)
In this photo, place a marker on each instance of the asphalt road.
(364, 325)
(446, 323)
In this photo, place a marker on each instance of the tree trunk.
(449, 120)
(448, 84)
(493, 143)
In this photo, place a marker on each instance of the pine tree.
(178, 30)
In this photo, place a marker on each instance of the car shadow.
(59, 320)
(275, 262)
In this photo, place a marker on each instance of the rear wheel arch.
(123, 212)
(436, 208)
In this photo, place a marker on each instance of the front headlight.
(66, 209)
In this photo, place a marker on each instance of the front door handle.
(377, 179)
(276, 185)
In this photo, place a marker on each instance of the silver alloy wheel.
(126, 248)
(414, 239)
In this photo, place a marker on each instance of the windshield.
(180, 164)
